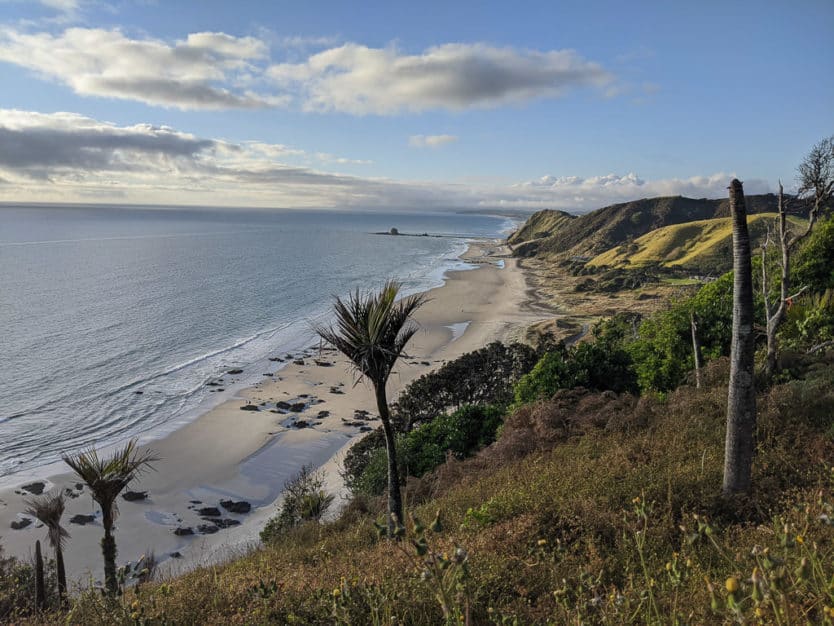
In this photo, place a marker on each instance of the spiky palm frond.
(372, 329)
(49, 510)
(107, 477)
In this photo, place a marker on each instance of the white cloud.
(431, 141)
(326, 157)
(360, 80)
(65, 6)
(575, 193)
(215, 70)
(192, 74)
(70, 157)
(66, 156)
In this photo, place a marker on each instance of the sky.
(408, 105)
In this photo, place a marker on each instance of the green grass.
(686, 245)
(584, 511)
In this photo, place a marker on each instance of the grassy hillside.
(541, 224)
(608, 227)
(698, 244)
(577, 514)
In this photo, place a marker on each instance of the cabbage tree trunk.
(741, 398)
(395, 500)
(40, 586)
(108, 551)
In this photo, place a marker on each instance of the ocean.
(113, 320)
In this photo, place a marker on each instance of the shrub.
(600, 366)
(484, 376)
(662, 353)
(814, 263)
(304, 500)
(17, 587)
(460, 434)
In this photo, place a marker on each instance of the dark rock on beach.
(176, 555)
(224, 523)
(298, 407)
(134, 496)
(236, 507)
(21, 524)
(235, 371)
(207, 529)
(301, 424)
(209, 511)
(35, 488)
(298, 362)
(249, 407)
(82, 520)
(183, 531)
(283, 405)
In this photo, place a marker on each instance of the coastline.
(229, 453)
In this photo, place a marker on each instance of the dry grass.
(581, 512)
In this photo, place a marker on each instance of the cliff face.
(550, 232)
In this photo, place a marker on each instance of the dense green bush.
(460, 433)
(814, 263)
(601, 366)
(662, 352)
(809, 321)
(484, 376)
(481, 377)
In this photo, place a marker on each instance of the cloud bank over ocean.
(81, 157)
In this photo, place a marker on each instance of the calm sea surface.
(97, 304)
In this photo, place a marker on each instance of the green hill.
(555, 233)
(540, 225)
(699, 244)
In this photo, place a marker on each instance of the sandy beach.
(304, 411)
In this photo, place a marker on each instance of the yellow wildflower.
(731, 584)
(800, 539)
(542, 542)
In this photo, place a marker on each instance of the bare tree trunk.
(741, 398)
(395, 500)
(696, 350)
(40, 586)
(775, 317)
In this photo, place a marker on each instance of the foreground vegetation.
(590, 507)
(556, 484)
